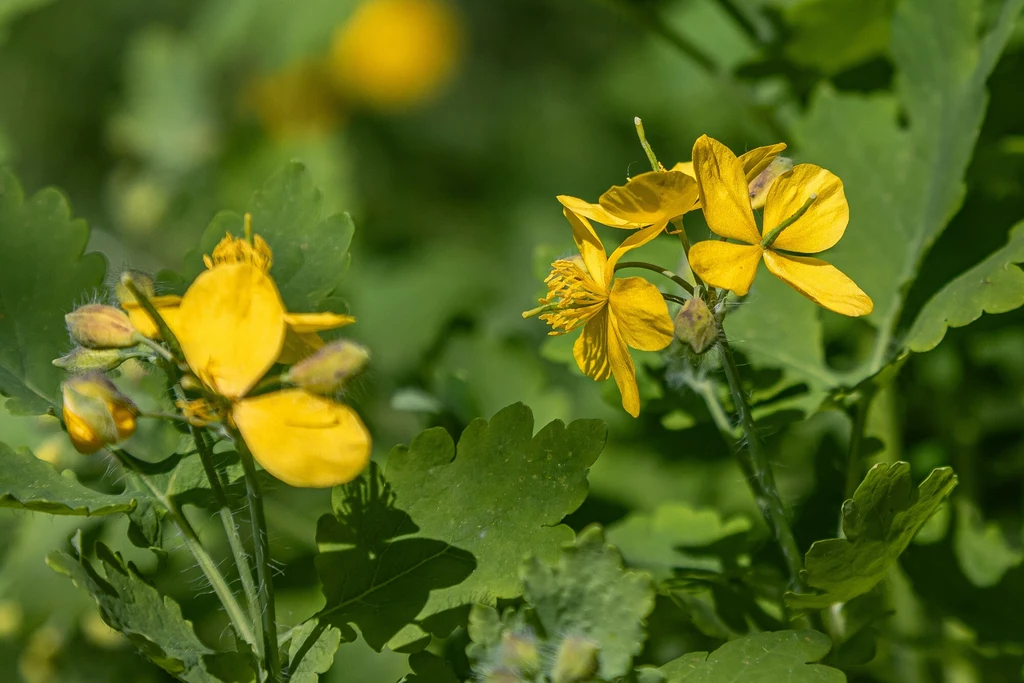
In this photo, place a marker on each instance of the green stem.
(261, 545)
(854, 459)
(672, 297)
(763, 480)
(651, 156)
(165, 332)
(195, 547)
(657, 269)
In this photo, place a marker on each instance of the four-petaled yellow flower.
(232, 326)
(805, 212)
(616, 313)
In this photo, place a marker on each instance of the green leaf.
(760, 658)
(307, 661)
(442, 533)
(832, 35)
(673, 537)
(28, 483)
(429, 668)
(310, 251)
(151, 621)
(996, 285)
(903, 183)
(589, 595)
(879, 522)
(43, 274)
(981, 548)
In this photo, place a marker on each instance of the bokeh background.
(446, 128)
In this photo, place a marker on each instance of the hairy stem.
(762, 480)
(261, 545)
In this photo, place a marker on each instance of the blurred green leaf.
(305, 665)
(672, 537)
(759, 658)
(43, 274)
(832, 35)
(981, 548)
(589, 595)
(455, 530)
(903, 183)
(996, 285)
(151, 621)
(429, 668)
(12, 9)
(878, 523)
(28, 483)
(310, 251)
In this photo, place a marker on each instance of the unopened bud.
(327, 370)
(502, 676)
(96, 413)
(576, 660)
(519, 651)
(97, 326)
(85, 360)
(760, 185)
(695, 325)
(142, 282)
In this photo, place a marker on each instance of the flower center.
(251, 249)
(573, 296)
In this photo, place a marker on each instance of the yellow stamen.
(200, 412)
(573, 296)
(251, 249)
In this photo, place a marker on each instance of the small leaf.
(310, 251)
(981, 549)
(307, 661)
(589, 595)
(444, 531)
(879, 522)
(760, 658)
(672, 536)
(996, 285)
(28, 483)
(151, 621)
(43, 274)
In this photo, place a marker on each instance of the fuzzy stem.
(261, 545)
(763, 480)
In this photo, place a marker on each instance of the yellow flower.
(232, 326)
(758, 166)
(95, 413)
(805, 212)
(296, 101)
(392, 54)
(616, 313)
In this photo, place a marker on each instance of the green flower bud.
(97, 326)
(96, 414)
(576, 660)
(141, 280)
(760, 185)
(84, 360)
(519, 651)
(327, 370)
(696, 325)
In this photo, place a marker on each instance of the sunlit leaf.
(308, 660)
(878, 522)
(43, 275)
(982, 548)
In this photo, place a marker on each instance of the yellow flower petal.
(166, 306)
(685, 167)
(623, 369)
(589, 244)
(726, 265)
(651, 197)
(596, 212)
(302, 323)
(637, 239)
(302, 439)
(758, 159)
(723, 191)
(825, 220)
(231, 327)
(820, 282)
(591, 348)
(641, 314)
(298, 346)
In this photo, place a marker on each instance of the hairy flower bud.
(96, 413)
(576, 660)
(695, 325)
(141, 280)
(327, 370)
(502, 676)
(519, 651)
(97, 326)
(84, 360)
(760, 185)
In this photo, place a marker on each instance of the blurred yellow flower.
(297, 100)
(95, 413)
(805, 212)
(616, 313)
(232, 326)
(392, 54)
